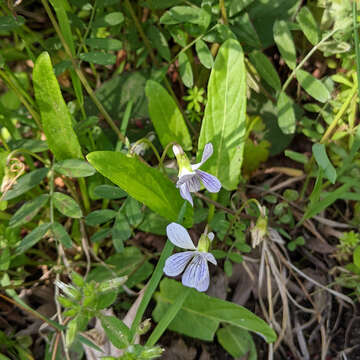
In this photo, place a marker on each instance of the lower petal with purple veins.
(196, 274)
(176, 263)
(211, 182)
(185, 193)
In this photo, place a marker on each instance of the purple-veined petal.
(208, 150)
(176, 263)
(196, 274)
(192, 181)
(211, 182)
(185, 193)
(179, 236)
(209, 257)
(211, 236)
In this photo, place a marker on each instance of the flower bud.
(259, 231)
(182, 160)
(144, 327)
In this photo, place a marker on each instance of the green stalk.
(168, 317)
(84, 194)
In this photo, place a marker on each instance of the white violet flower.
(190, 177)
(196, 274)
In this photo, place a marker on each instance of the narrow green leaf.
(205, 313)
(324, 163)
(166, 116)
(9, 23)
(159, 42)
(98, 58)
(74, 168)
(109, 192)
(104, 44)
(144, 183)
(112, 19)
(67, 205)
(265, 69)
(26, 183)
(308, 25)
(224, 122)
(285, 43)
(298, 157)
(98, 217)
(313, 86)
(286, 114)
(117, 332)
(204, 54)
(32, 238)
(61, 235)
(121, 231)
(186, 70)
(28, 211)
(237, 342)
(55, 116)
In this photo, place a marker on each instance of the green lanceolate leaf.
(265, 69)
(308, 25)
(26, 183)
(61, 235)
(323, 161)
(98, 217)
(286, 114)
(104, 44)
(159, 42)
(186, 70)
(74, 168)
(28, 211)
(32, 238)
(224, 122)
(285, 43)
(55, 116)
(117, 332)
(100, 58)
(237, 342)
(204, 54)
(314, 87)
(67, 205)
(144, 183)
(109, 192)
(205, 313)
(166, 116)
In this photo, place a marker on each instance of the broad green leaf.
(9, 23)
(74, 168)
(28, 211)
(186, 70)
(32, 145)
(166, 116)
(286, 114)
(204, 54)
(265, 69)
(104, 44)
(55, 116)
(237, 342)
(285, 43)
(32, 238)
(204, 313)
(121, 231)
(112, 19)
(308, 25)
(98, 58)
(186, 14)
(236, 6)
(314, 87)
(109, 192)
(323, 161)
(224, 123)
(100, 235)
(245, 32)
(117, 332)
(98, 217)
(159, 42)
(298, 157)
(144, 183)
(26, 183)
(67, 205)
(61, 235)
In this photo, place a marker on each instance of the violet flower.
(196, 274)
(190, 177)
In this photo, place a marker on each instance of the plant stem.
(168, 317)
(84, 194)
(223, 12)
